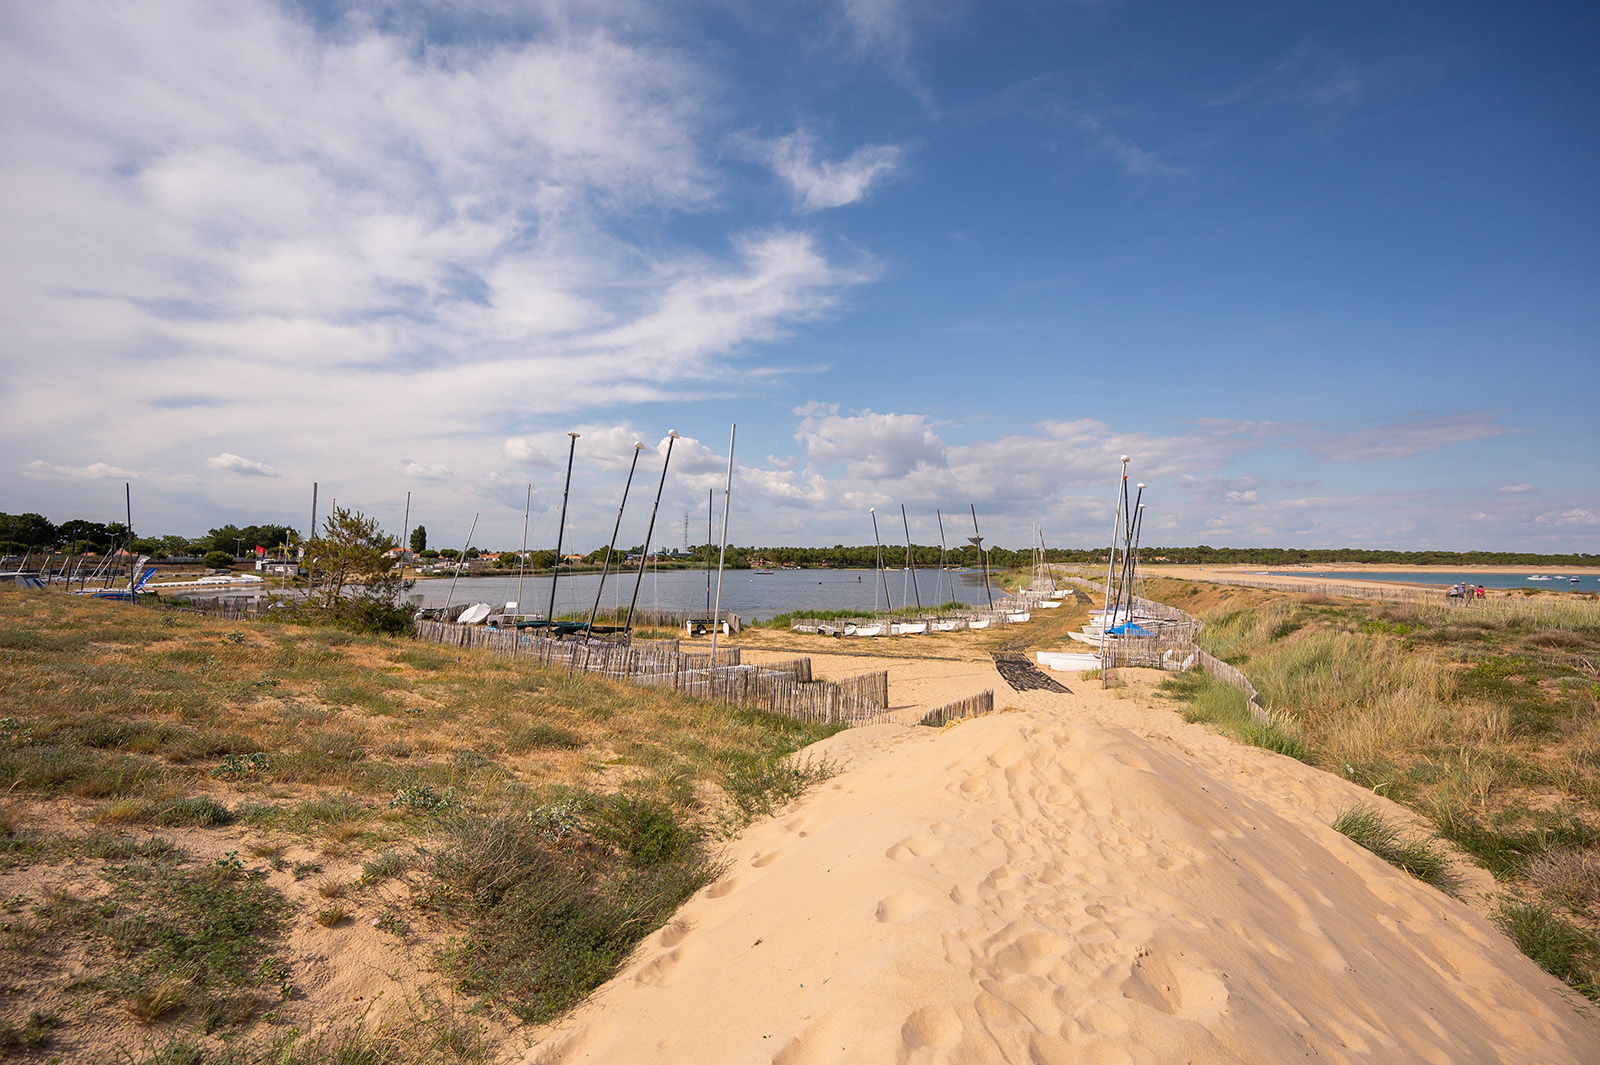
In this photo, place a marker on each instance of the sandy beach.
(1079, 877)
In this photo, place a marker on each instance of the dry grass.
(360, 746)
(1486, 718)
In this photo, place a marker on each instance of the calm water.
(1587, 582)
(744, 592)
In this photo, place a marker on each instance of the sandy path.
(1084, 879)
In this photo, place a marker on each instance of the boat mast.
(462, 561)
(606, 568)
(711, 510)
(943, 565)
(522, 558)
(911, 562)
(405, 536)
(1127, 557)
(1116, 528)
(977, 541)
(722, 557)
(561, 531)
(672, 438)
(888, 604)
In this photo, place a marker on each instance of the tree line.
(20, 533)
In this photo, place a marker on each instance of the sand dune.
(1085, 880)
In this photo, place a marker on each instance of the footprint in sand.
(657, 972)
(918, 846)
(724, 887)
(1177, 988)
(674, 933)
(931, 1026)
(902, 906)
(761, 861)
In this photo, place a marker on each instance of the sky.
(1326, 272)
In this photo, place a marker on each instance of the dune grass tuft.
(1423, 858)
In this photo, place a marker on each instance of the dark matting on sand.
(1023, 675)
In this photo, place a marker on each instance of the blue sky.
(1327, 272)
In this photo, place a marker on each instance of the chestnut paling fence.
(785, 688)
(971, 706)
(1171, 646)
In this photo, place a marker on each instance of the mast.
(716, 615)
(462, 561)
(1127, 558)
(522, 559)
(943, 565)
(888, 604)
(1116, 527)
(606, 568)
(711, 509)
(977, 541)
(672, 438)
(911, 562)
(405, 535)
(561, 530)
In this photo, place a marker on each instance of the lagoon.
(747, 593)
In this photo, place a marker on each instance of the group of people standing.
(1465, 591)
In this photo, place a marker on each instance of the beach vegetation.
(1417, 853)
(1484, 719)
(453, 795)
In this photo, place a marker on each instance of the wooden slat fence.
(785, 688)
(971, 706)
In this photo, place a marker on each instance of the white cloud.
(820, 184)
(232, 463)
(871, 446)
(424, 471)
(94, 471)
(1516, 489)
(1573, 516)
(378, 231)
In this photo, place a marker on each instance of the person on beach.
(1479, 594)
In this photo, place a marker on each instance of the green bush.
(218, 560)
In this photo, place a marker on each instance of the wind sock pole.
(605, 569)
(672, 438)
(561, 531)
(977, 541)
(911, 561)
(722, 557)
(882, 573)
(1116, 528)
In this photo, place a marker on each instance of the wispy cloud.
(94, 471)
(1516, 489)
(424, 471)
(820, 184)
(232, 463)
(376, 230)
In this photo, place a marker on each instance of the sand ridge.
(1083, 879)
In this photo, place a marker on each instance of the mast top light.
(674, 434)
(1141, 484)
(574, 435)
(1124, 458)
(638, 446)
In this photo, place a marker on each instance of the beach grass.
(435, 771)
(1484, 718)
